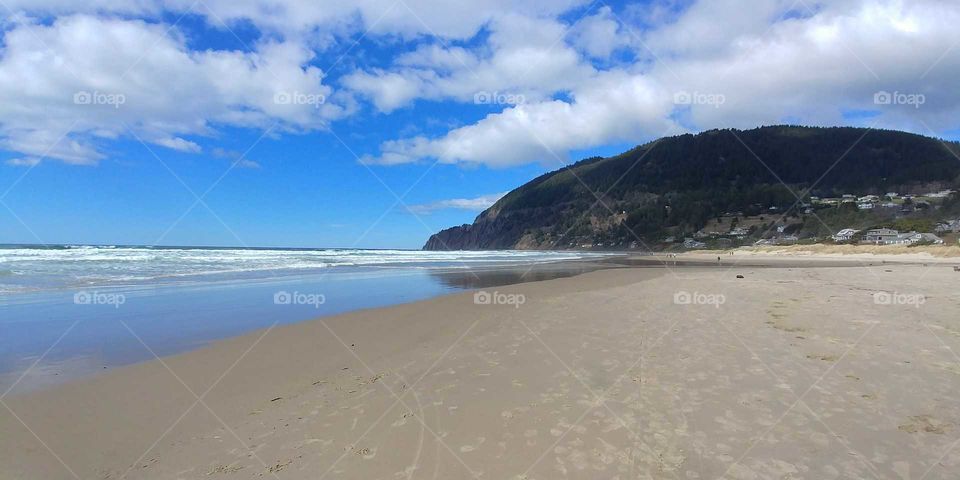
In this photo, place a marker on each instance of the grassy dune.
(940, 251)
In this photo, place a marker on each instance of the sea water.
(67, 311)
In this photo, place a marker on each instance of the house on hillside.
(914, 237)
(881, 236)
(948, 227)
(941, 194)
(691, 243)
(887, 236)
(786, 240)
(844, 235)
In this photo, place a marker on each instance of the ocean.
(34, 268)
(71, 310)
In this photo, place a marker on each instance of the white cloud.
(776, 61)
(815, 68)
(68, 87)
(23, 162)
(244, 163)
(176, 143)
(237, 159)
(615, 106)
(297, 18)
(388, 90)
(526, 58)
(599, 34)
(766, 64)
(408, 18)
(477, 204)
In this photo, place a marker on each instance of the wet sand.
(691, 373)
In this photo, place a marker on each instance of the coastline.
(492, 389)
(175, 318)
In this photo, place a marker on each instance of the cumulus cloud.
(68, 87)
(477, 204)
(409, 18)
(615, 106)
(526, 59)
(769, 64)
(296, 18)
(600, 34)
(574, 75)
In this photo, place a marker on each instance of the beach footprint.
(469, 448)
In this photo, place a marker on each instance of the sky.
(374, 123)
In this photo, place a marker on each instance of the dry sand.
(800, 373)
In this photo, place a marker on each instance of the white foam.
(40, 268)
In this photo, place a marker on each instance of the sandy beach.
(815, 367)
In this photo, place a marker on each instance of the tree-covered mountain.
(673, 186)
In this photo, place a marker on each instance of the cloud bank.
(531, 80)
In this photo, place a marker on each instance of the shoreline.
(319, 396)
(104, 337)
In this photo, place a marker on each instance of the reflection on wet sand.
(483, 278)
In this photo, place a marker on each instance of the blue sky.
(182, 138)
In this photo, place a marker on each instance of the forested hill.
(673, 186)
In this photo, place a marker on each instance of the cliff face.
(674, 186)
(464, 237)
(490, 231)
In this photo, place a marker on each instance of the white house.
(941, 194)
(948, 227)
(887, 236)
(844, 235)
(914, 237)
(881, 236)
